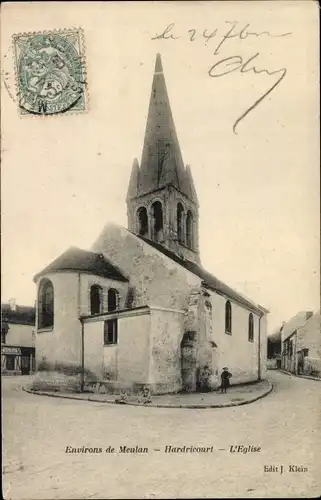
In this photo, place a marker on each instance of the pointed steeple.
(190, 184)
(133, 185)
(162, 162)
(158, 64)
(161, 200)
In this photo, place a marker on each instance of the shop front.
(17, 360)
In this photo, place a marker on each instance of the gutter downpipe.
(259, 350)
(82, 370)
(82, 347)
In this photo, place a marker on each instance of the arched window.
(189, 229)
(251, 328)
(142, 219)
(157, 217)
(45, 304)
(228, 317)
(112, 299)
(180, 222)
(95, 299)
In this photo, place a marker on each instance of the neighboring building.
(139, 308)
(274, 349)
(301, 344)
(17, 339)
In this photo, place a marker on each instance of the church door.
(188, 362)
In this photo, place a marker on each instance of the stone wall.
(158, 281)
(272, 364)
(166, 334)
(20, 335)
(126, 362)
(169, 198)
(309, 336)
(235, 350)
(88, 280)
(312, 366)
(62, 342)
(198, 321)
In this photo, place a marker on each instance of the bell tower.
(162, 204)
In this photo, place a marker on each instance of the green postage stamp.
(50, 72)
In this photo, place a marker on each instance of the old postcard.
(160, 333)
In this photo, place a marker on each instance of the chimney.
(309, 314)
(12, 304)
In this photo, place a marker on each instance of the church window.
(228, 317)
(112, 299)
(180, 222)
(142, 221)
(45, 304)
(157, 214)
(251, 328)
(189, 229)
(110, 331)
(95, 299)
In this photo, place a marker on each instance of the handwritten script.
(232, 63)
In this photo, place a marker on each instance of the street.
(285, 425)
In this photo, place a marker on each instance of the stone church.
(139, 309)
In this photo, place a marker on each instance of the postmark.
(50, 72)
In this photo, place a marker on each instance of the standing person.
(225, 379)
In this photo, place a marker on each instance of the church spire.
(162, 204)
(132, 191)
(162, 161)
(158, 64)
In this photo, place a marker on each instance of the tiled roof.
(209, 280)
(75, 259)
(21, 315)
(299, 320)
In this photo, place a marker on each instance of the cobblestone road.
(286, 425)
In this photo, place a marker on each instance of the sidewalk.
(236, 395)
(309, 377)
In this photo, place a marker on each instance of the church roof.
(162, 162)
(76, 259)
(208, 279)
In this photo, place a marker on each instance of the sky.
(65, 176)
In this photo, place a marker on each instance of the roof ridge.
(86, 261)
(190, 266)
(109, 261)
